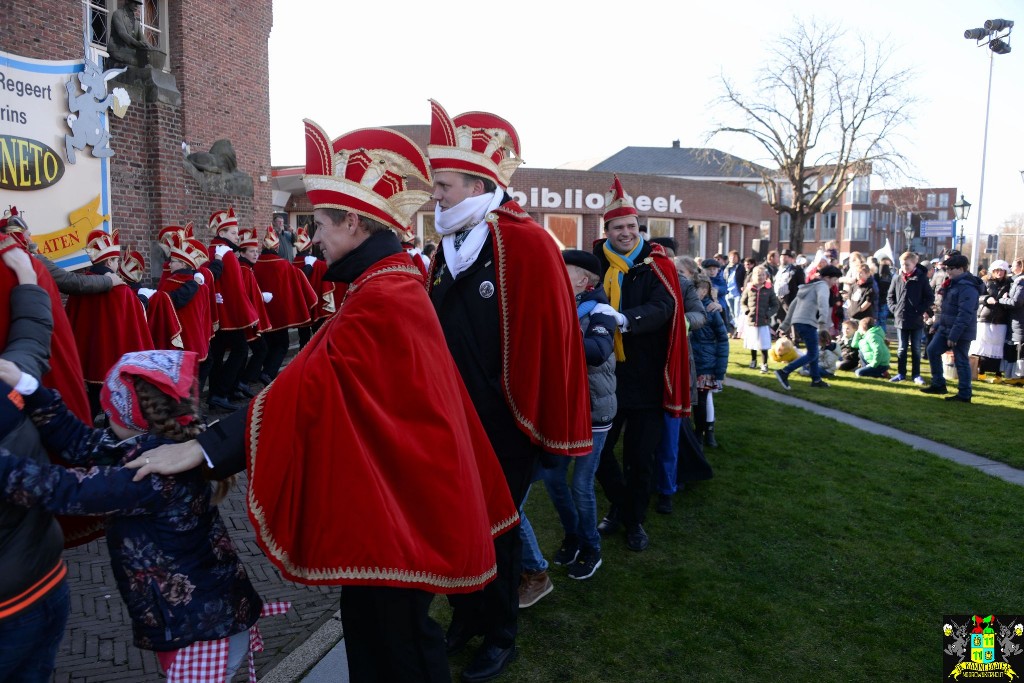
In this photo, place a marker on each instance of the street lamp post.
(995, 35)
(961, 209)
(908, 232)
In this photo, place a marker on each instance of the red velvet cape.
(294, 297)
(107, 326)
(326, 297)
(676, 376)
(237, 312)
(255, 296)
(367, 462)
(196, 323)
(164, 325)
(544, 370)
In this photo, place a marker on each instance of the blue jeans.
(577, 509)
(908, 339)
(533, 558)
(667, 456)
(872, 371)
(809, 336)
(29, 639)
(936, 348)
(883, 317)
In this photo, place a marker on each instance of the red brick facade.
(219, 59)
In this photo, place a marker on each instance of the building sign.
(60, 201)
(938, 229)
(574, 198)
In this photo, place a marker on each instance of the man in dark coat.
(910, 295)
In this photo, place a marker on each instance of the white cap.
(999, 265)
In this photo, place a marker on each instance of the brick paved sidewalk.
(97, 644)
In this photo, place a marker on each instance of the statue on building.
(126, 43)
(217, 170)
(84, 119)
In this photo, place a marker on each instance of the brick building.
(210, 83)
(892, 211)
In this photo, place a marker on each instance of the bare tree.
(825, 111)
(1011, 238)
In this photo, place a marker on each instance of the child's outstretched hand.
(20, 262)
(9, 372)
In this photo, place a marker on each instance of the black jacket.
(994, 314)
(31, 542)
(910, 297)
(1014, 303)
(649, 308)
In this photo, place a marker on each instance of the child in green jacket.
(869, 339)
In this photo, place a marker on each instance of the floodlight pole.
(976, 234)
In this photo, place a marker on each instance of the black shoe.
(221, 403)
(664, 504)
(783, 379)
(585, 565)
(820, 384)
(958, 397)
(568, 552)
(932, 389)
(636, 538)
(610, 524)
(265, 378)
(489, 663)
(458, 636)
(245, 391)
(709, 437)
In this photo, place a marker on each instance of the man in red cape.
(109, 325)
(314, 269)
(291, 305)
(505, 303)
(164, 326)
(651, 371)
(368, 466)
(187, 290)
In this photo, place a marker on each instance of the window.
(857, 223)
(943, 215)
(152, 15)
(696, 231)
(859, 191)
(661, 227)
(944, 199)
(785, 225)
(883, 198)
(567, 230)
(828, 226)
(427, 231)
(930, 200)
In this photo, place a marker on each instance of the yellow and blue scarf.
(619, 265)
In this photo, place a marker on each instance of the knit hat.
(829, 271)
(173, 372)
(476, 143)
(582, 259)
(710, 263)
(999, 265)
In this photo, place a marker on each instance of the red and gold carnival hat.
(200, 254)
(302, 240)
(13, 223)
(271, 240)
(132, 267)
(476, 142)
(222, 220)
(365, 171)
(164, 236)
(617, 203)
(100, 245)
(248, 238)
(183, 249)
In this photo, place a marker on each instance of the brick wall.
(220, 62)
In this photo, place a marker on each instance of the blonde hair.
(177, 420)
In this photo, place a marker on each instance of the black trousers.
(277, 349)
(389, 636)
(258, 349)
(224, 374)
(629, 487)
(305, 333)
(494, 610)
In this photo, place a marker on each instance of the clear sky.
(582, 80)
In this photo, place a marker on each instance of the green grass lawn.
(990, 426)
(817, 553)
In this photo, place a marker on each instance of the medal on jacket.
(487, 289)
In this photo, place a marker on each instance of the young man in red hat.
(652, 371)
(505, 303)
(291, 305)
(338, 491)
(164, 326)
(109, 325)
(235, 313)
(314, 269)
(248, 253)
(186, 287)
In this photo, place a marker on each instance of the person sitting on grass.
(869, 339)
(828, 357)
(850, 356)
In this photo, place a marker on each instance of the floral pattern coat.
(175, 565)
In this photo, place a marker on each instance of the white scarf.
(468, 212)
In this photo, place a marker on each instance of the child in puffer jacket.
(870, 341)
(710, 346)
